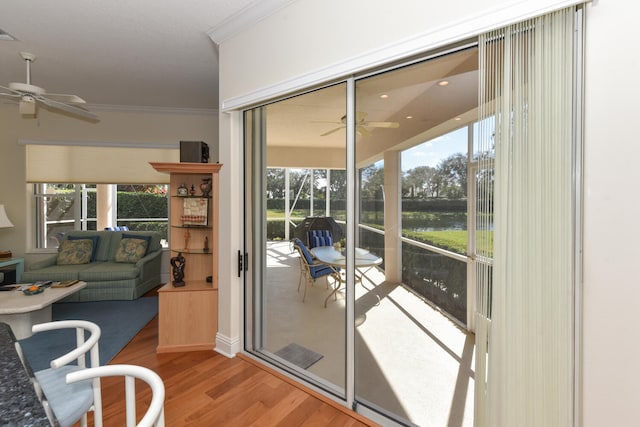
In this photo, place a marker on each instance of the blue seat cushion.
(320, 270)
(320, 238)
(305, 251)
(68, 401)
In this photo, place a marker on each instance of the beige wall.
(309, 42)
(611, 211)
(157, 128)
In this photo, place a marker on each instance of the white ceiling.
(152, 53)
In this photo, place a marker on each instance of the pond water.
(435, 221)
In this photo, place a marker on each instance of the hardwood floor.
(204, 388)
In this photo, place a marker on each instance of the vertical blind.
(524, 314)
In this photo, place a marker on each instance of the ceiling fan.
(29, 96)
(361, 124)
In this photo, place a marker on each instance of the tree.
(372, 182)
(419, 181)
(453, 172)
(275, 183)
(338, 184)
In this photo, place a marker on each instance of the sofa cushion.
(104, 241)
(95, 240)
(56, 273)
(73, 252)
(116, 236)
(139, 236)
(105, 271)
(131, 250)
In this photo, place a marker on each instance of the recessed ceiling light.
(409, 117)
(384, 96)
(458, 118)
(443, 83)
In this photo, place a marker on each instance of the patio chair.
(70, 403)
(310, 269)
(155, 412)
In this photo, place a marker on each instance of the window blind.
(524, 317)
(96, 164)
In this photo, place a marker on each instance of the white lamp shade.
(4, 219)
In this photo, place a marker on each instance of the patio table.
(336, 260)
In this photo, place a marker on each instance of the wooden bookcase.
(188, 315)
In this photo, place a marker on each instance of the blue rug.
(119, 322)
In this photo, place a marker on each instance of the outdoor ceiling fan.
(29, 96)
(361, 124)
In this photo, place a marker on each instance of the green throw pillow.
(75, 252)
(131, 250)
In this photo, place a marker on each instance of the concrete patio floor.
(410, 359)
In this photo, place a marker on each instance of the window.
(63, 207)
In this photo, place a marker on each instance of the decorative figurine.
(182, 190)
(178, 263)
(193, 190)
(187, 237)
(206, 187)
(206, 244)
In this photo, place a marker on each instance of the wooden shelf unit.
(188, 315)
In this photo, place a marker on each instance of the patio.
(410, 358)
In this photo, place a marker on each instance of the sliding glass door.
(379, 163)
(297, 186)
(413, 354)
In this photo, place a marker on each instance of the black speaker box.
(194, 152)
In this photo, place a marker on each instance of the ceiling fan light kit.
(28, 96)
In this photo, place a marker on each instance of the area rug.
(119, 322)
(299, 355)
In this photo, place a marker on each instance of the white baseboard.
(227, 346)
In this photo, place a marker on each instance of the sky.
(430, 153)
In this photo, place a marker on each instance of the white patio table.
(336, 260)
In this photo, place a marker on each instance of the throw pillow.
(73, 252)
(138, 236)
(131, 250)
(95, 243)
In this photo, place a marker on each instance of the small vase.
(205, 187)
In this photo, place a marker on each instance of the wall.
(154, 127)
(309, 42)
(611, 210)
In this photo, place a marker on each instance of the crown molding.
(109, 144)
(245, 18)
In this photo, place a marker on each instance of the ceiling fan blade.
(68, 108)
(13, 92)
(332, 131)
(362, 131)
(360, 116)
(9, 95)
(382, 124)
(61, 97)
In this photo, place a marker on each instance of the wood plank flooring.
(204, 388)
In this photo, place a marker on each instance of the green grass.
(279, 214)
(451, 240)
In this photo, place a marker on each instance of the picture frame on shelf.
(195, 212)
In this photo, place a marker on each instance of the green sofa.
(106, 279)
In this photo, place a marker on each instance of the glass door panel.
(412, 362)
(298, 190)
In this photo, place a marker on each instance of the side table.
(18, 262)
